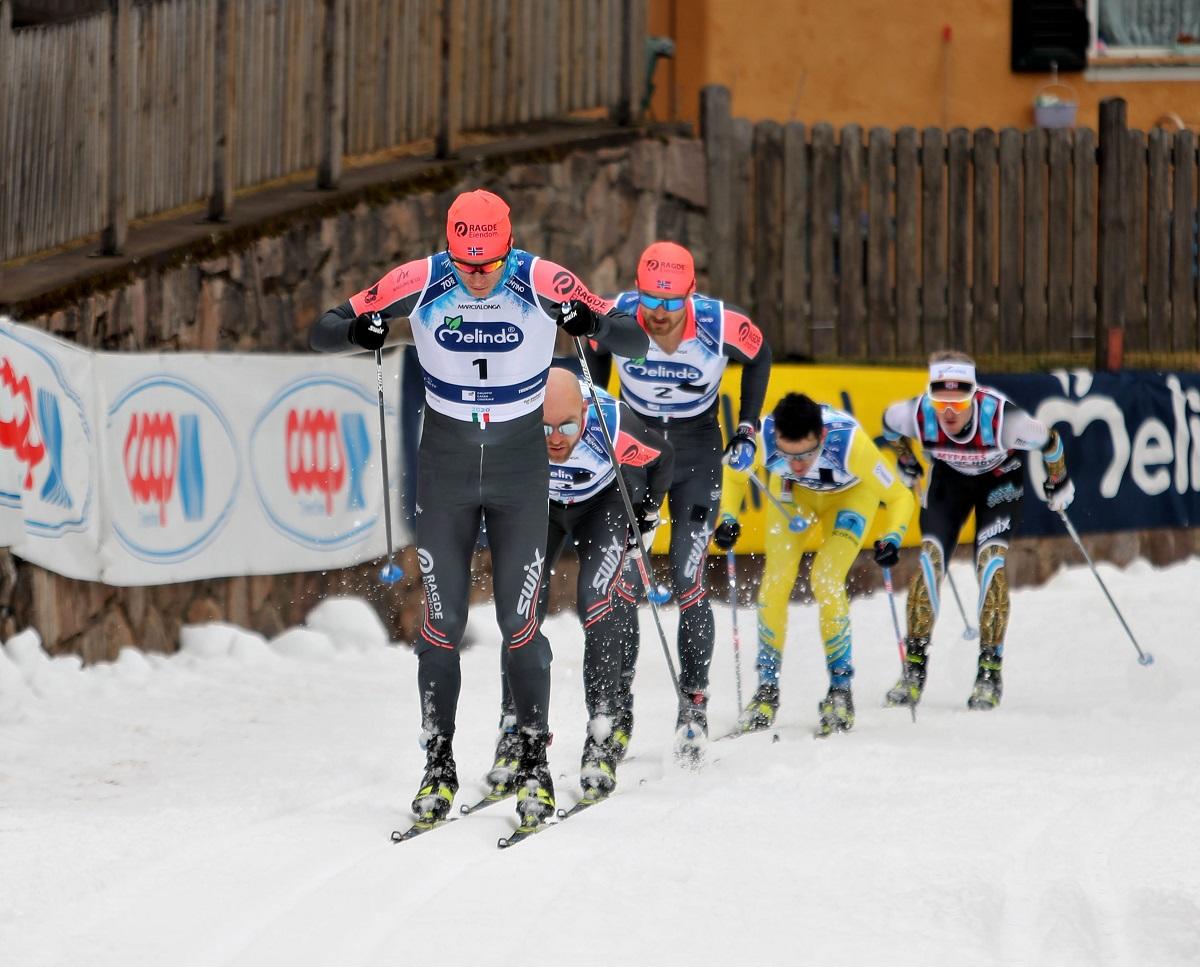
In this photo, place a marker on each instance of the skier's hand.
(577, 318)
(739, 452)
(369, 330)
(647, 517)
(727, 533)
(1059, 493)
(887, 553)
(910, 469)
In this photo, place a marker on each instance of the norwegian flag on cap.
(663, 284)
(474, 250)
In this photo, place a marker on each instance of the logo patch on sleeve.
(851, 523)
(884, 474)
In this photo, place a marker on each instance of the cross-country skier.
(485, 318)
(586, 508)
(827, 471)
(674, 387)
(974, 437)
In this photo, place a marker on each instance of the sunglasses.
(654, 302)
(569, 428)
(803, 456)
(479, 268)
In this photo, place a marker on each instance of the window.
(1159, 30)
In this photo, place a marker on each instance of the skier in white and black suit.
(486, 319)
(586, 508)
(974, 437)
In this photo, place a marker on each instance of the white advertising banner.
(154, 468)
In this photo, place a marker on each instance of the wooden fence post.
(224, 113)
(120, 110)
(716, 128)
(450, 121)
(8, 230)
(333, 95)
(633, 58)
(1110, 308)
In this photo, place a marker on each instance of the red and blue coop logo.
(312, 461)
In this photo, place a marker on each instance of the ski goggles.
(955, 404)
(569, 428)
(656, 302)
(479, 268)
(781, 459)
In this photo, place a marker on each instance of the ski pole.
(969, 632)
(638, 554)
(1144, 657)
(891, 596)
(797, 523)
(391, 572)
(731, 571)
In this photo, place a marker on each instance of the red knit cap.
(477, 227)
(666, 269)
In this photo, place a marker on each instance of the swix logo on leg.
(609, 567)
(19, 433)
(696, 555)
(315, 459)
(529, 588)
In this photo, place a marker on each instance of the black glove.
(910, 469)
(727, 532)
(577, 318)
(887, 553)
(369, 330)
(647, 516)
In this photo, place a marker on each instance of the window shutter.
(1045, 32)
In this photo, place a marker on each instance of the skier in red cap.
(486, 318)
(674, 388)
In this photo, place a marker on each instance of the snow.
(232, 804)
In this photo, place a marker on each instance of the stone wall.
(593, 210)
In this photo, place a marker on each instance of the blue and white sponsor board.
(138, 469)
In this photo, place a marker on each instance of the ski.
(497, 794)
(589, 799)
(419, 827)
(522, 833)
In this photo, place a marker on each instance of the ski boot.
(598, 768)
(837, 711)
(908, 690)
(535, 788)
(508, 755)
(988, 684)
(691, 727)
(760, 713)
(440, 783)
(622, 732)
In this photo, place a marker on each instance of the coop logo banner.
(315, 464)
(174, 468)
(45, 433)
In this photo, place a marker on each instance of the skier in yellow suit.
(828, 472)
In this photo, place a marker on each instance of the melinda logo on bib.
(663, 372)
(470, 336)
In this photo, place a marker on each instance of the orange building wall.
(873, 62)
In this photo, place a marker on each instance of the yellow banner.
(862, 391)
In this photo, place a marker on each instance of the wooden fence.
(151, 106)
(884, 244)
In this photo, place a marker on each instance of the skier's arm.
(744, 343)
(900, 420)
(733, 488)
(393, 297)
(639, 446)
(1022, 432)
(617, 331)
(867, 463)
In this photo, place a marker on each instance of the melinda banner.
(154, 468)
